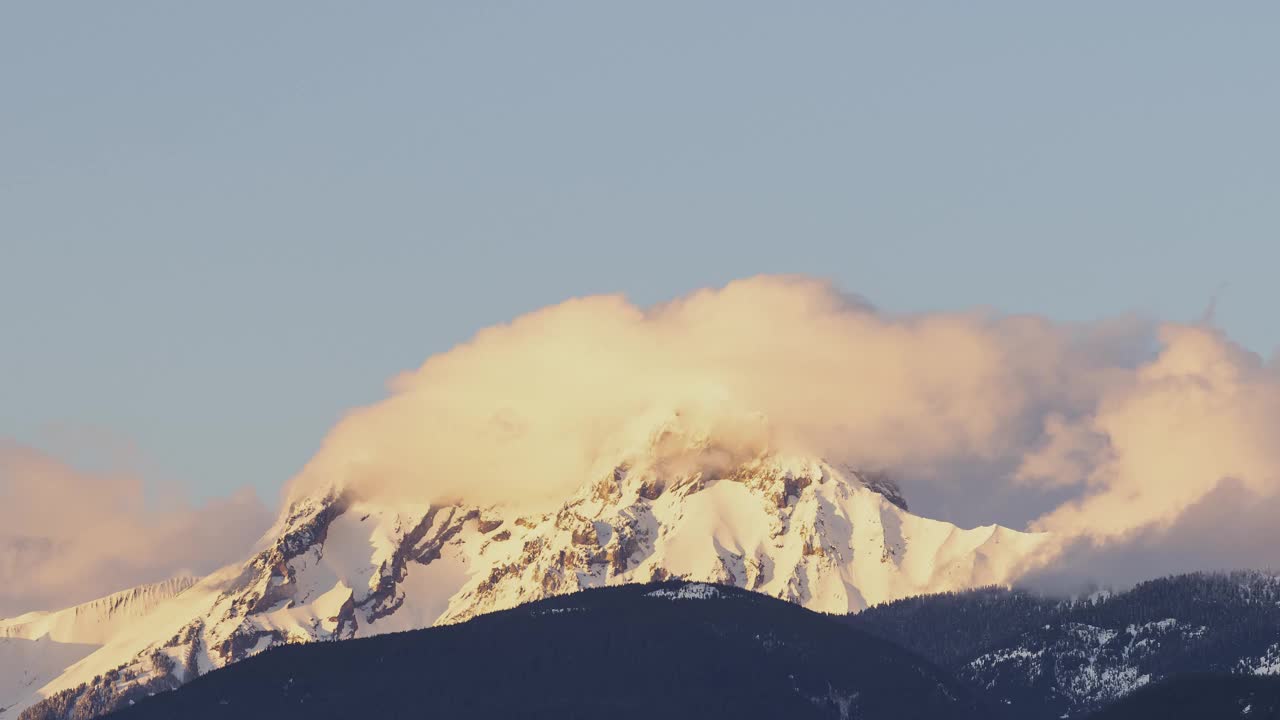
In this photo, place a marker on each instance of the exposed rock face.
(881, 482)
(801, 530)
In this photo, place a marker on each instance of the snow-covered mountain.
(337, 567)
(37, 647)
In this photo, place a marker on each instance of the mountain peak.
(780, 477)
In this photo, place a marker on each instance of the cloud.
(1230, 527)
(1177, 468)
(1143, 448)
(525, 412)
(1202, 412)
(67, 536)
(1121, 437)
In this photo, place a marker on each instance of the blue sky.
(223, 225)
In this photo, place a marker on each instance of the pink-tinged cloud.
(525, 411)
(1143, 449)
(1107, 433)
(67, 536)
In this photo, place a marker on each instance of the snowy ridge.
(795, 528)
(37, 647)
(94, 622)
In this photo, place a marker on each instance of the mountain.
(38, 646)
(1191, 646)
(1053, 659)
(337, 566)
(671, 649)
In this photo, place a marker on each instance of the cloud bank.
(1176, 468)
(1144, 448)
(68, 536)
(1116, 436)
(524, 412)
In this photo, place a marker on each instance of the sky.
(223, 226)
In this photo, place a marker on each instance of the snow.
(691, 591)
(704, 528)
(834, 546)
(427, 589)
(1090, 635)
(127, 622)
(353, 550)
(1267, 664)
(1088, 664)
(1096, 678)
(1030, 662)
(263, 643)
(1104, 684)
(25, 664)
(1155, 626)
(37, 647)
(94, 622)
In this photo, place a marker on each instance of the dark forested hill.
(640, 651)
(1046, 658)
(1200, 697)
(951, 628)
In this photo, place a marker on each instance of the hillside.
(1200, 696)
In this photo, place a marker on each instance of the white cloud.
(1143, 451)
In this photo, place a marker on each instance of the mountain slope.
(664, 650)
(953, 628)
(25, 665)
